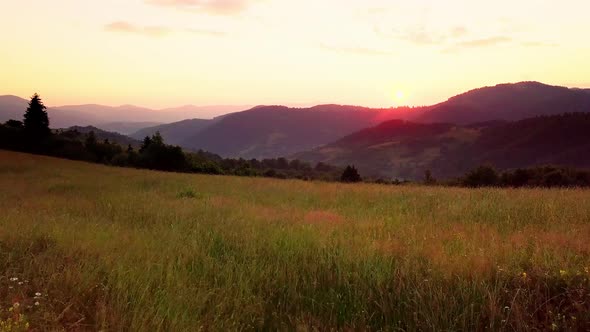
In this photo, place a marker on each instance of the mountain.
(12, 107)
(275, 131)
(175, 133)
(401, 149)
(127, 128)
(203, 112)
(132, 113)
(102, 135)
(507, 102)
(124, 119)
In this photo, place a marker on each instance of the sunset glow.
(163, 53)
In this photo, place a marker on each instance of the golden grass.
(123, 249)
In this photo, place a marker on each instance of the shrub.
(350, 175)
(483, 176)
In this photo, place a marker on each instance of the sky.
(377, 53)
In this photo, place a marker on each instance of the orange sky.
(161, 53)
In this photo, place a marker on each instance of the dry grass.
(122, 249)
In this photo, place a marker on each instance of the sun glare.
(399, 96)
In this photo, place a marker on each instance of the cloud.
(415, 35)
(217, 7)
(126, 27)
(204, 32)
(355, 50)
(483, 42)
(459, 31)
(538, 44)
(454, 39)
(478, 43)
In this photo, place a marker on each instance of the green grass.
(122, 249)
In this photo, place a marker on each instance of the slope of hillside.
(127, 128)
(101, 135)
(175, 133)
(508, 102)
(12, 107)
(120, 249)
(405, 150)
(274, 131)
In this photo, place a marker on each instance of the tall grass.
(122, 249)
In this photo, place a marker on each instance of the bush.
(483, 176)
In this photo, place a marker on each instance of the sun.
(399, 96)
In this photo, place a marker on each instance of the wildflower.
(14, 279)
(16, 305)
(562, 273)
(10, 287)
(524, 275)
(554, 327)
(587, 270)
(20, 282)
(37, 294)
(37, 303)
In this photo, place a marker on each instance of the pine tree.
(147, 141)
(36, 121)
(157, 139)
(91, 142)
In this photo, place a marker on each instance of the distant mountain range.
(401, 142)
(405, 150)
(125, 119)
(274, 131)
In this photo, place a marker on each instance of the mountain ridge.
(397, 149)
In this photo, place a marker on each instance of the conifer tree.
(36, 121)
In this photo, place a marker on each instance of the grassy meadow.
(90, 247)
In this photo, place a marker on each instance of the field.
(123, 249)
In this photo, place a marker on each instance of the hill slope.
(101, 135)
(175, 133)
(508, 102)
(274, 131)
(405, 149)
(116, 248)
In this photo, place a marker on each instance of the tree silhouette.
(483, 176)
(90, 141)
(36, 121)
(147, 141)
(350, 175)
(157, 138)
(14, 124)
(428, 178)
